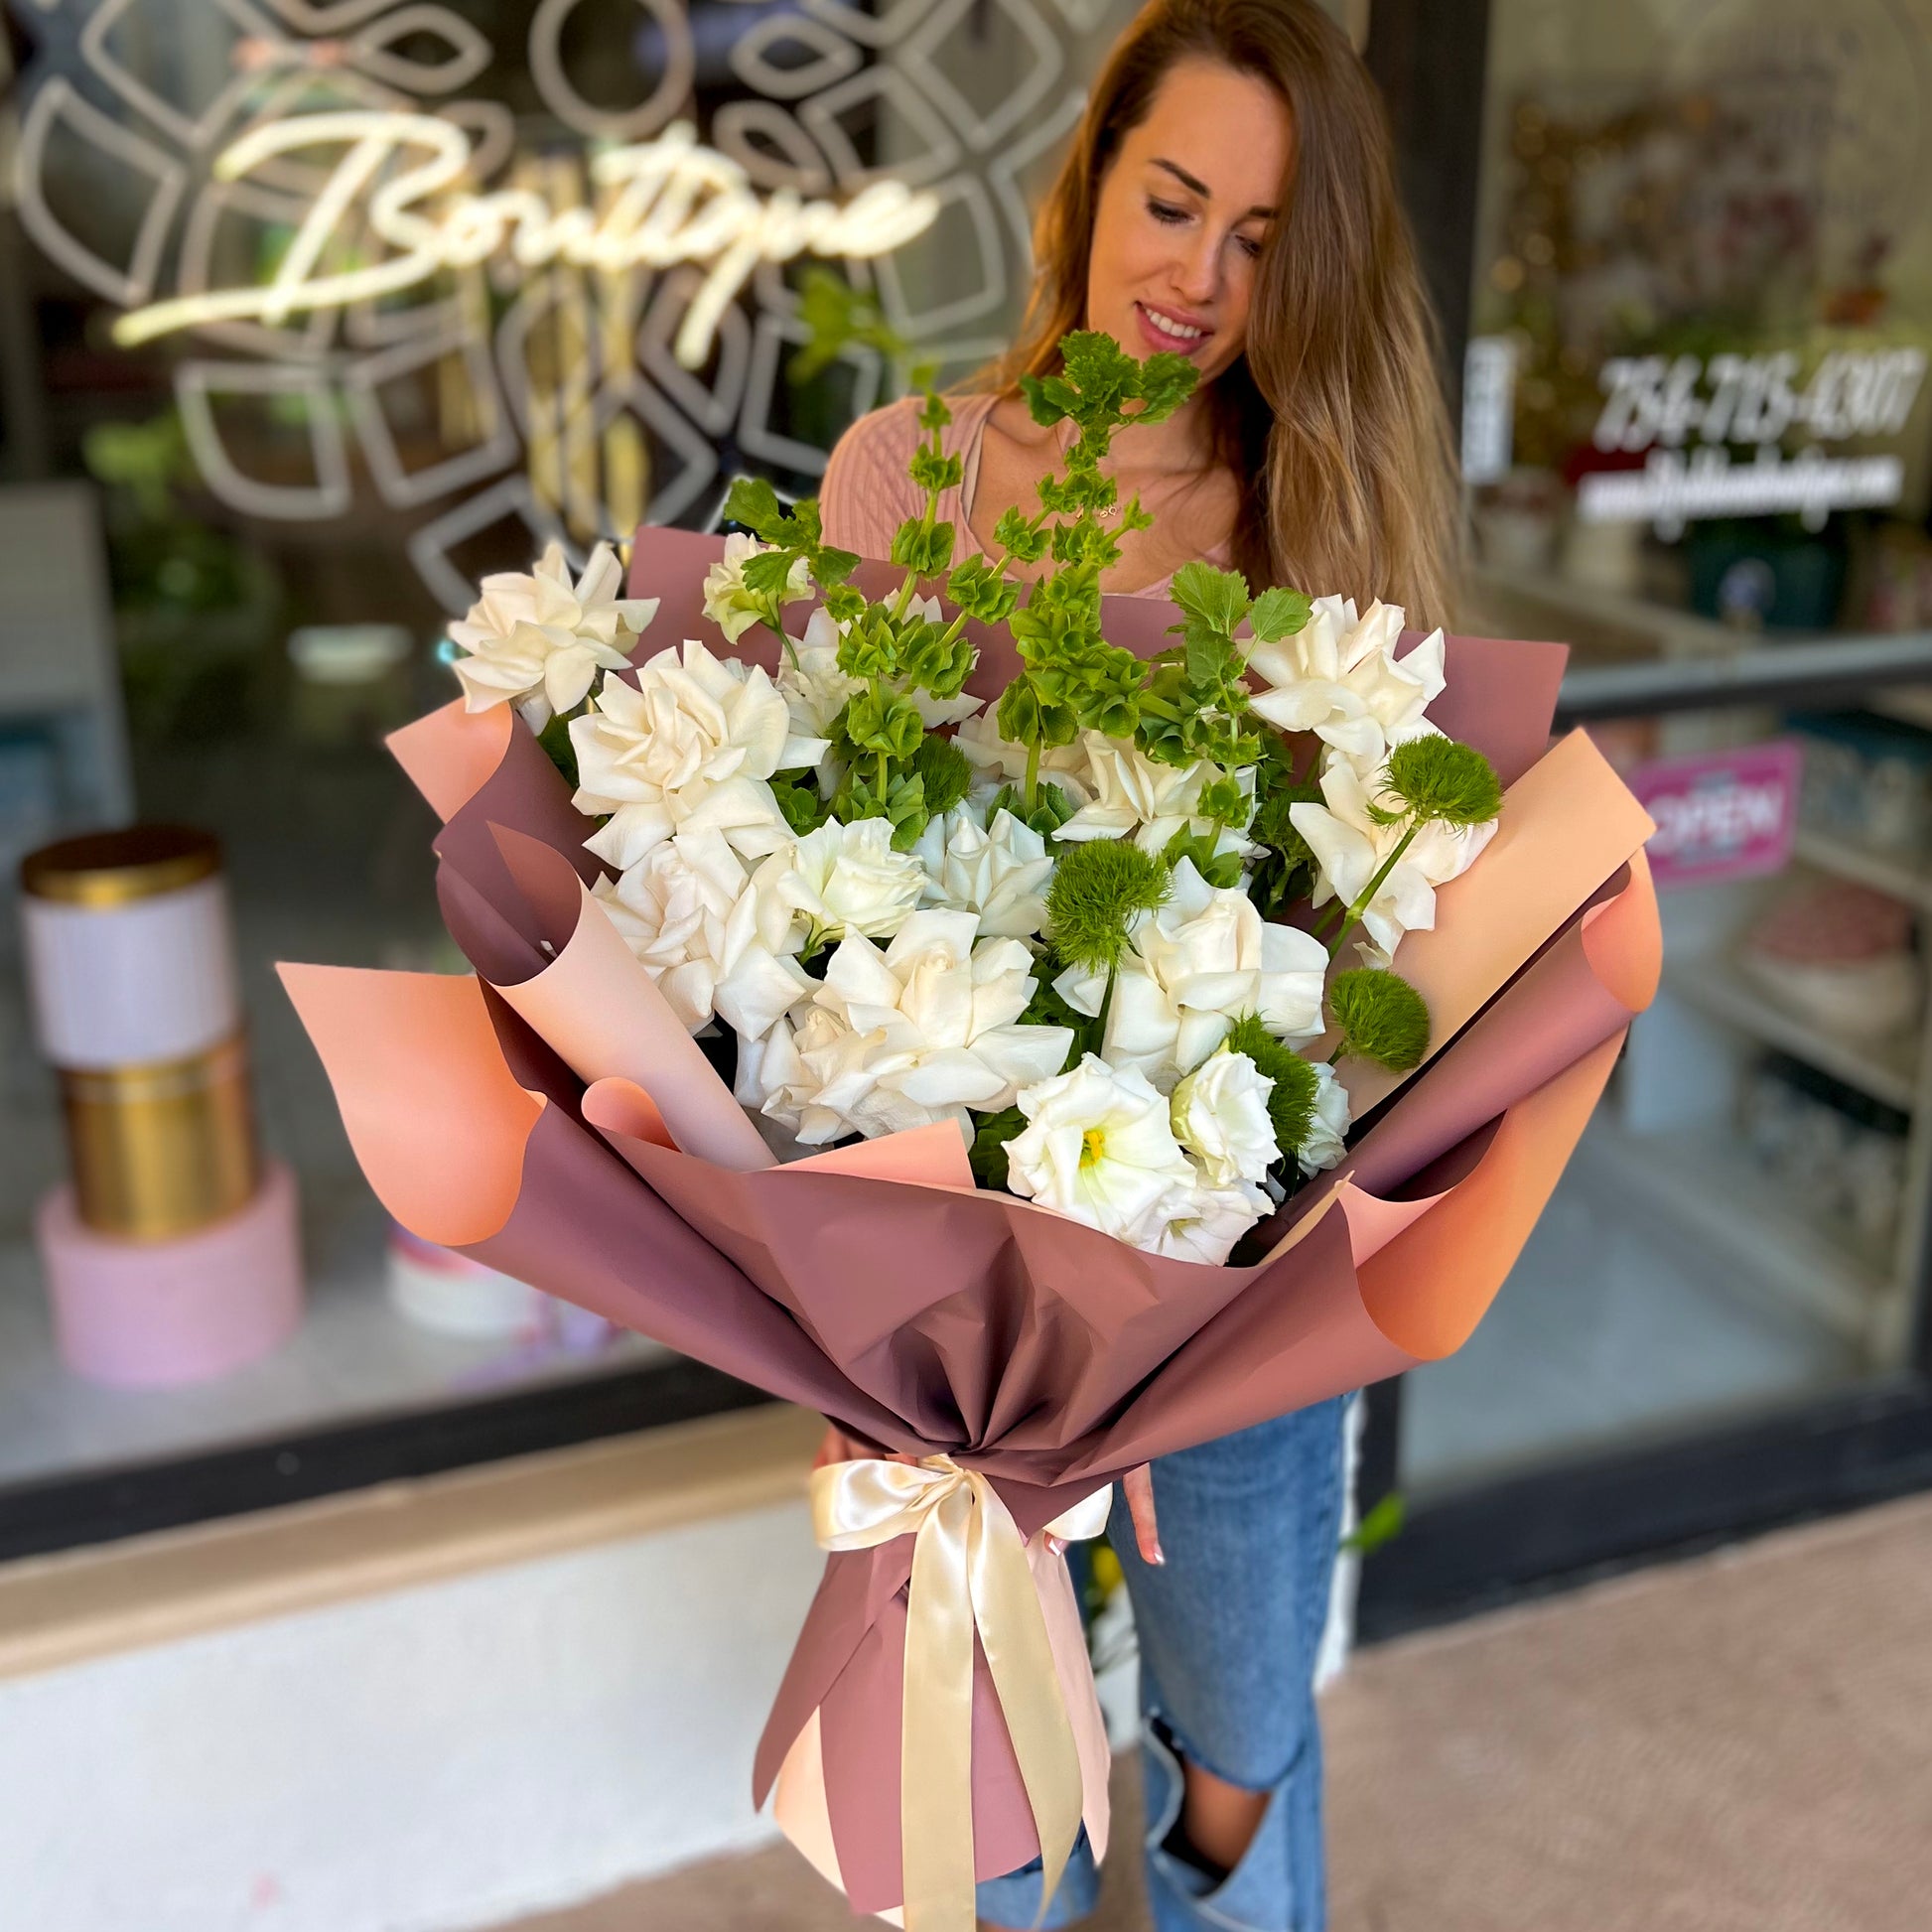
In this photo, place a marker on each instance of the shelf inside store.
(1702, 1182)
(1885, 872)
(1884, 1069)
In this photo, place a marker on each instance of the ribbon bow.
(970, 1573)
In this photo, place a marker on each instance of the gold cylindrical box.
(128, 944)
(159, 1150)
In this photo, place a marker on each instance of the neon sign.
(673, 201)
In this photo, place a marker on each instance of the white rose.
(843, 879)
(1338, 677)
(1000, 872)
(1349, 848)
(539, 641)
(689, 912)
(734, 608)
(1098, 1146)
(1204, 1222)
(1324, 1145)
(693, 744)
(1220, 1116)
(1138, 798)
(917, 1033)
(1192, 968)
(998, 762)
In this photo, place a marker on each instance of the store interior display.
(173, 1254)
(1838, 954)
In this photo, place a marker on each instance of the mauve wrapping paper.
(1028, 1346)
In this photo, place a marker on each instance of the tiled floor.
(1742, 1744)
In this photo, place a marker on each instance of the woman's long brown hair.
(1333, 420)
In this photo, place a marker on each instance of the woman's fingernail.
(1159, 1555)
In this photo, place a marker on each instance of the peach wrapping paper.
(876, 1285)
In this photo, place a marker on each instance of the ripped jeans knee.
(1275, 1886)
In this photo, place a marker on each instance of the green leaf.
(879, 721)
(931, 470)
(1052, 808)
(1014, 534)
(1167, 380)
(924, 552)
(988, 1155)
(842, 601)
(752, 501)
(982, 590)
(768, 572)
(557, 748)
(830, 567)
(806, 529)
(1382, 1525)
(1219, 869)
(798, 800)
(1278, 613)
(1217, 599)
(1048, 403)
(934, 413)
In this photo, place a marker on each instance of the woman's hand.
(1136, 1486)
(835, 1446)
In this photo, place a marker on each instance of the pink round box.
(155, 1314)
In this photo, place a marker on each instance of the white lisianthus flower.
(691, 746)
(1098, 1148)
(689, 912)
(1000, 872)
(1203, 1224)
(1138, 798)
(917, 1033)
(538, 641)
(998, 762)
(1349, 848)
(1203, 957)
(846, 879)
(1220, 1116)
(1324, 1146)
(730, 603)
(1338, 677)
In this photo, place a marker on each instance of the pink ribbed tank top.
(866, 494)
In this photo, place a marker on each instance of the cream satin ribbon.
(969, 1572)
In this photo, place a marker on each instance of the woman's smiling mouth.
(1163, 329)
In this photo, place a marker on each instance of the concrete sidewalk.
(1740, 1743)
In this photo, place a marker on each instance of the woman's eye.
(1249, 246)
(1166, 212)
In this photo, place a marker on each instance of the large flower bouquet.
(1040, 1029)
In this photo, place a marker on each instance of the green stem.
(1033, 774)
(1366, 897)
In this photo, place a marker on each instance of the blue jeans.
(1229, 1628)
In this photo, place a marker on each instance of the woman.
(1229, 196)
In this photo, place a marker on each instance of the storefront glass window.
(229, 549)
(1697, 431)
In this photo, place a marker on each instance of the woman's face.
(1183, 213)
